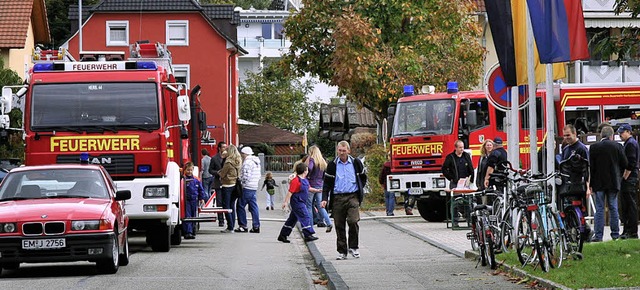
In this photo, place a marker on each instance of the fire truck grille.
(113, 163)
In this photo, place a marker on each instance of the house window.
(181, 72)
(117, 33)
(266, 30)
(177, 32)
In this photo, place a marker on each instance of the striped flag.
(507, 20)
(558, 27)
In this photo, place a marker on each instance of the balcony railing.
(605, 72)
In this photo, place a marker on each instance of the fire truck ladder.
(144, 51)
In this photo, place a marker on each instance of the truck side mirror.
(472, 118)
(184, 108)
(7, 99)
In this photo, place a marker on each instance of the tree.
(371, 49)
(623, 45)
(13, 145)
(58, 16)
(270, 97)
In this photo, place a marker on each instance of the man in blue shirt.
(628, 203)
(344, 180)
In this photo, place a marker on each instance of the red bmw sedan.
(62, 213)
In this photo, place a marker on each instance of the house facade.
(201, 39)
(23, 24)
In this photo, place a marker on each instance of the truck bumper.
(427, 184)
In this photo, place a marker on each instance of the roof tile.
(15, 16)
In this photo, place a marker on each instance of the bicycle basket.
(534, 194)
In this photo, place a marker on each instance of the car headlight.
(156, 192)
(439, 182)
(7, 227)
(395, 184)
(85, 225)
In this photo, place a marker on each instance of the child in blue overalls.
(298, 194)
(194, 194)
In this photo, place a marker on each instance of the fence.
(278, 163)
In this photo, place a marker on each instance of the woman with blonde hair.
(229, 173)
(485, 151)
(317, 165)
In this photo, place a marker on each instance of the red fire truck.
(131, 117)
(425, 126)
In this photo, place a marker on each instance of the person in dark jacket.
(628, 202)
(457, 165)
(497, 156)
(342, 191)
(389, 196)
(215, 165)
(607, 161)
(483, 164)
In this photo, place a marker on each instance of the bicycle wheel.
(556, 240)
(575, 238)
(481, 241)
(506, 230)
(524, 241)
(473, 236)
(489, 246)
(541, 244)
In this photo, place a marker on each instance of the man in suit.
(607, 162)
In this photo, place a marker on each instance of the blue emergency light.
(84, 158)
(38, 67)
(452, 87)
(146, 65)
(408, 90)
(144, 168)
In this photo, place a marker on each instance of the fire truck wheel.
(432, 210)
(176, 237)
(162, 239)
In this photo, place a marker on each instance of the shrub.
(375, 157)
(361, 142)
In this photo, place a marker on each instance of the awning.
(263, 20)
(610, 22)
(245, 122)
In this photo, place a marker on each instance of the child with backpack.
(270, 183)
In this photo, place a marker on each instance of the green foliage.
(270, 97)
(624, 45)
(58, 17)
(263, 148)
(370, 49)
(361, 142)
(374, 159)
(14, 147)
(327, 147)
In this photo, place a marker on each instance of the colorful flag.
(558, 27)
(507, 20)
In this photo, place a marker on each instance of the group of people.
(336, 185)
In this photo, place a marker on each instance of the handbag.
(237, 190)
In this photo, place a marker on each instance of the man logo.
(101, 160)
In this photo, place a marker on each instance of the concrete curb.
(326, 267)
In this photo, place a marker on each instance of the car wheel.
(110, 265)
(176, 237)
(162, 241)
(124, 257)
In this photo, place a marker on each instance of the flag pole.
(551, 134)
(79, 26)
(531, 79)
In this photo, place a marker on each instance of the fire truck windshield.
(434, 117)
(94, 106)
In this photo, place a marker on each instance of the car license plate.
(43, 244)
(415, 191)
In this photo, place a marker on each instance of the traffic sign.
(498, 93)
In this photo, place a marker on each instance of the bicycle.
(571, 190)
(481, 231)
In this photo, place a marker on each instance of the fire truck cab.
(130, 116)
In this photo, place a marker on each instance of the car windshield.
(82, 107)
(53, 183)
(424, 118)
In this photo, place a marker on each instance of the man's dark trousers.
(629, 207)
(346, 211)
